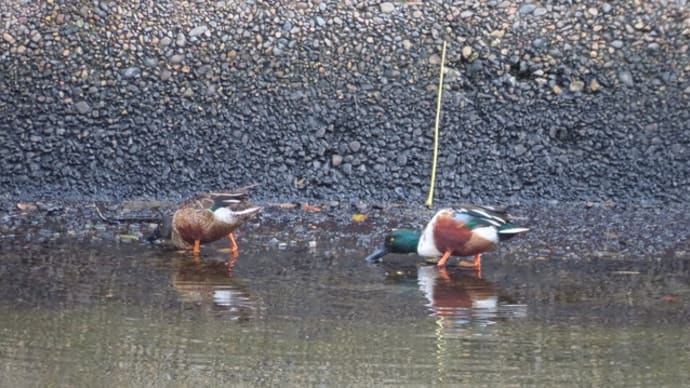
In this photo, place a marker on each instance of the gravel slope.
(581, 100)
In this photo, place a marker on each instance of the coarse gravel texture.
(568, 101)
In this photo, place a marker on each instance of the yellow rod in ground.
(430, 199)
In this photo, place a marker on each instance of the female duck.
(206, 218)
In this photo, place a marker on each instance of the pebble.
(177, 58)
(165, 75)
(466, 52)
(354, 145)
(626, 78)
(527, 9)
(594, 85)
(82, 107)
(617, 44)
(387, 7)
(7, 37)
(131, 72)
(538, 43)
(200, 30)
(576, 86)
(336, 160)
(539, 11)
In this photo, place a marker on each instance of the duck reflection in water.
(212, 286)
(457, 293)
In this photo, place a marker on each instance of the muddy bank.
(567, 231)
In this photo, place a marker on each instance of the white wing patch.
(486, 233)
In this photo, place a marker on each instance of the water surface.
(312, 312)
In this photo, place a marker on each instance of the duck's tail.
(508, 230)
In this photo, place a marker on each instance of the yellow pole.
(430, 199)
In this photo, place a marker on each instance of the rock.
(617, 44)
(36, 36)
(539, 43)
(198, 31)
(527, 9)
(387, 7)
(539, 11)
(519, 150)
(336, 160)
(466, 52)
(626, 78)
(354, 146)
(7, 37)
(181, 40)
(576, 86)
(177, 58)
(131, 72)
(82, 107)
(594, 85)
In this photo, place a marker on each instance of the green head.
(398, 241)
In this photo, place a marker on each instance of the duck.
(207, 217)
(468, 230)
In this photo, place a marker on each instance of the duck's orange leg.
(478, 264)
(477, 261)
(444, 258)
(231, 264)
(197, 247)
(443, 274)
(233, 245)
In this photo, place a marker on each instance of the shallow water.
(313, 312)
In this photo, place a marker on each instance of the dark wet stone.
(177, 58)
(526, 9)
(82, 107)
(198, 31)
(538, 43)
(626, 78)
(131, 72)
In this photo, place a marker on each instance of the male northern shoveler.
(206, 218)
(467, 231)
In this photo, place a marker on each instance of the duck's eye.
(391, 239)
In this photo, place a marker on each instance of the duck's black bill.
(377, 255)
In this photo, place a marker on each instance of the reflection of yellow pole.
(430, 199)
(441, 349)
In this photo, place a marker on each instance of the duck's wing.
(482, 215)
(234, 199)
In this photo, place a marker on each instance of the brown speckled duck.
(206, 218)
